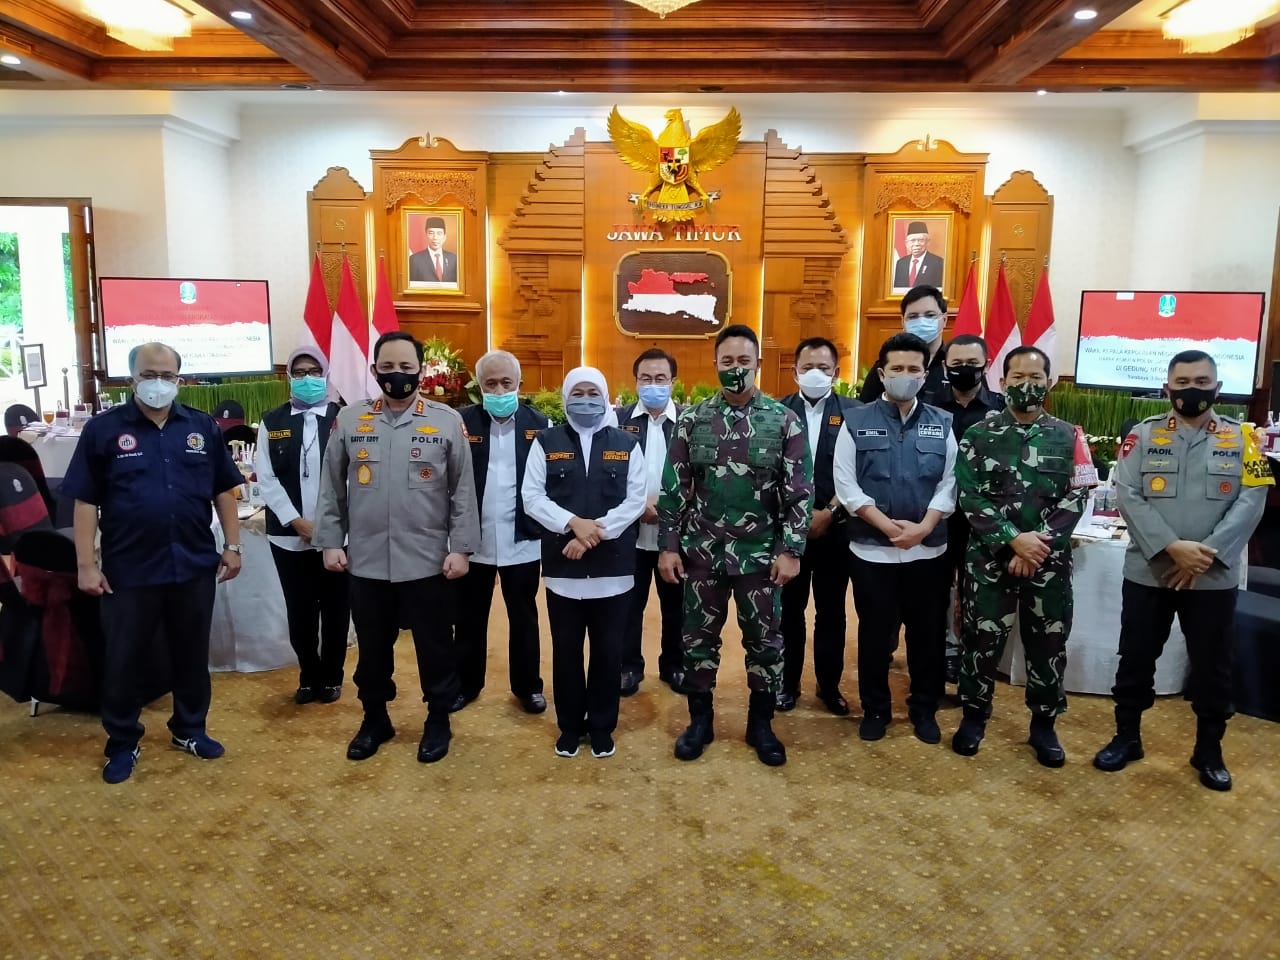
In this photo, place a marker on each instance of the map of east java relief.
(656, 292)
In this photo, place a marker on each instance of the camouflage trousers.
(1042, 604)
(706, 608)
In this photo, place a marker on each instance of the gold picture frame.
(936, 260)
(443, 274)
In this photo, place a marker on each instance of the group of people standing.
(413, 513)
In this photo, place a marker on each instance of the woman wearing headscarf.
(291, 442)
(584, 482)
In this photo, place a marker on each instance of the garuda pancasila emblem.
(674, 160)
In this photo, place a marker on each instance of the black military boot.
(1207, 757)
(700, 731)
(1125, 746)
(973, 727)
(1044, 741)
(760, 730)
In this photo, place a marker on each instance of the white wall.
(198, 223)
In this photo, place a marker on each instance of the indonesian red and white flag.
(317, 315)
(1002, 329)
(384, 310)
(1041, 330)
(349, 356)
(969, 317)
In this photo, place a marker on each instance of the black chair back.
(18, 417)
(16, 450)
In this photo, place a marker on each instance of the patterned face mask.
(1025, 397)
(737, 379)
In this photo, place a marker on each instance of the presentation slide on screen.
(1127, 339)
(218, 326)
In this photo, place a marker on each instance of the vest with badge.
(835, 409)
(284, 445)
(900, 464)
(529, 424)
(588, 493)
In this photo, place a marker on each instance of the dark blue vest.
(590, 494)
(899, 464)
(284, 444)
(529, 423)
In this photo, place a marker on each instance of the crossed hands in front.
(586, 534)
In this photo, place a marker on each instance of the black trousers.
(378, 607)
(592, 691)
(471, 636)
(914, 595)
(1207, 618)
(825, 567)
(670, 602)
(318, 608)
(137, 622)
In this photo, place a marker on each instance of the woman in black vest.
(584, 482)
(291, 442)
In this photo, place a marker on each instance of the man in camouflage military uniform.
(1015, 475)
(733, 517)
(1192, 487)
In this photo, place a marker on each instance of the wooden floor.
(895, 849)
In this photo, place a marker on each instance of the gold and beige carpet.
(285, 849)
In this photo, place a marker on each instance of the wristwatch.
(234, 548)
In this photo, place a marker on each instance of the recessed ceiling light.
(9, 60)
(1086, 13)
(1041, 93)
(296, 86)
(241, 15)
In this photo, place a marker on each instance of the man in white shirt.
(894, 474)
(291, 444)
(650, 421)
(501, 431)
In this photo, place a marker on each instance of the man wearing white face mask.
(147, 471)
(894, 473)
(825, 563)
(924, 315)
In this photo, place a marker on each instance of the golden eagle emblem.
(674, 160)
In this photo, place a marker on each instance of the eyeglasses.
(302, 374)
(166, 377)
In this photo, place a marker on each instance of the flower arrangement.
(445, 376)
(1102, 450)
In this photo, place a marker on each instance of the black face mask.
(964, 378)
(1192, 401)
(397, 385)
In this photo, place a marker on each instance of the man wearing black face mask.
(1192, 487)
(397, 485)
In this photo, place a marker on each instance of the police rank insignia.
(195, 441)
(428, 429)
(367, 416)
(364, 428)
(364, 474)
(362, 453)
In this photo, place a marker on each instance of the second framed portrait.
(919, 245)
(434, 245)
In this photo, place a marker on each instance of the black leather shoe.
(873, 726)
(435, 742)
(534, 703)
(969, 736)
(953, 670)
(630, 683)
(835, 703)
(304, 695)
(676, 681)
(1213, 772)
(369, 738)
(926, 728)
(458, 702)
(786, 701)
(329, 694)
(1044, 741)
(1122, 750)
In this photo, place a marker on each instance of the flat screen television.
(220, 327)
(1128, 337)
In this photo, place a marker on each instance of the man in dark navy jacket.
(501, 430)
(825, 563)
(147, 471)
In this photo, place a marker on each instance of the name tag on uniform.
(475, 439)
(279, 434)
(930, 430)
(531, 434)
(835, 421)
(630, 428)
(617, 455)
(560, 455)
(873, 433)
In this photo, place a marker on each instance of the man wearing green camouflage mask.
(1016, 479)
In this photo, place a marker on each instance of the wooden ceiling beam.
(143, 74)
(1151, 45)
(35, 47)
(202, 44)
(289, 28)
(1191, 73)
(1043, 35)
(54, 23)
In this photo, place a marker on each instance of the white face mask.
(814, 384)
(156, 394)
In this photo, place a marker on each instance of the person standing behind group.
(825, 563)
(965, 396)
(893, 471)
(1192, 487)
(148, 471)
(924, 315)
(585, 483)
(291, 444)
(397, 487)
(1017, 487)
(502, 431)
(734, 518)
(651, 421)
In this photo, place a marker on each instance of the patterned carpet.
(285, 849)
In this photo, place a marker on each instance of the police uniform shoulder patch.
(420, 407)
(1127, 445)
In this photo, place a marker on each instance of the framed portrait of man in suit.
(919, 245)
(433, 249)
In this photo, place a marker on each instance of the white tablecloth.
(54, 451)
(250, 631)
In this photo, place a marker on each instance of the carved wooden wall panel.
(1021, 214)
(337, 221)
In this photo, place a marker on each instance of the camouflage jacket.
(1018, 479)
(737, 489)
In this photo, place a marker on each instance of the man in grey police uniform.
(1192, 486)
(398, 485)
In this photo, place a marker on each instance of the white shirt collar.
(669, 413)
